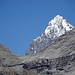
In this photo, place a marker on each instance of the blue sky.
(21, 21)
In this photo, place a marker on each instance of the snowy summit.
(56, 27)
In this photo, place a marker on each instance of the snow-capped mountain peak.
(56, 27)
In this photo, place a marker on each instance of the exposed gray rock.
(7, 57)
(56, 66)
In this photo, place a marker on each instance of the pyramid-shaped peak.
(56, 27)
(58, 20)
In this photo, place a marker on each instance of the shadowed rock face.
(56, 59)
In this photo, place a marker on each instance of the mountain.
(56, 59)
(56, 27)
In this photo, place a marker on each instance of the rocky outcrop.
(56, 66)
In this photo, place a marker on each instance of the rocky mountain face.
(56, 59)
(56, 27)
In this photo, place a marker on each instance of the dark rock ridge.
(56, 59)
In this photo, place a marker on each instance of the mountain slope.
(62, 46)
(7, 57)
(56, 59)
(56, 27)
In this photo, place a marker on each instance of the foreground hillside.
(56, 59)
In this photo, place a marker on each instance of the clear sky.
(21, 21)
